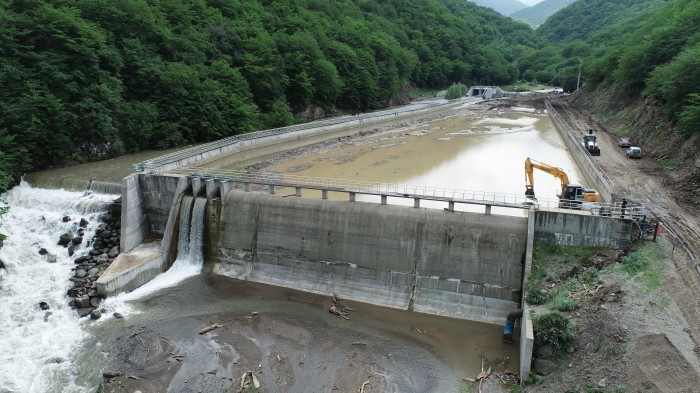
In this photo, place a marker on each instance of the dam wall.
(582, 230)
(464, 265)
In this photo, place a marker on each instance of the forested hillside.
(582, 19)
(91, 79)
(656, 54)
(84, 80)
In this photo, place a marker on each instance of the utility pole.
(578, 82)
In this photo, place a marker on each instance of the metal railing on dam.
(452, 196)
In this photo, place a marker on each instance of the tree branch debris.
(338, 308)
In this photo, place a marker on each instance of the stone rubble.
(104, 250)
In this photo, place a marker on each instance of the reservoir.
(474, 150)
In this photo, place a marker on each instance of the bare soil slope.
(662, 340)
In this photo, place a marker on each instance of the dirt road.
(646, 182)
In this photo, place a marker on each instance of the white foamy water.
(189, 261)
(37, 346)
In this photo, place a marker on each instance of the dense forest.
(651, 49)
(85, 80)
(92, 79)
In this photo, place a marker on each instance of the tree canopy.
(92, 79)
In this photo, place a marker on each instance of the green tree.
(689, 117)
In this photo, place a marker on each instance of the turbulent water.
(189, 261)
(38, 347)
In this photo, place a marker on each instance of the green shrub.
(590, 277)
(457, 90)
(634, 263)
(554, 328)
(562, 302)
(536, 296)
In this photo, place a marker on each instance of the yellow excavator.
(571, 193)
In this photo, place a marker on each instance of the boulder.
(80, 273)
(545, 351)
(71, 250)
(82, 302)
(65, 239)
(84, 312)
(44, 305)
(43, 251)
(118, 315)
(116, 208)
(95, 301)
(66, 218)
(114, 252)
(77, 240)
(51, 258)
(544, 366)
(83, 222)
(2, 264)
(83, 259)
(95, 314)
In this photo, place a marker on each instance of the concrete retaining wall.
(134, 228)
(595, 177)
(464, 265)
(248, 148)
(582, 230)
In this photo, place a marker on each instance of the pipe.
(513, 316)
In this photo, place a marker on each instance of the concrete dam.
(461, 264)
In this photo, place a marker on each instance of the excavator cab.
(573, 195)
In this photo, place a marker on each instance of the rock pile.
(104, 250)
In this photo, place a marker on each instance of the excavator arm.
(529, 177)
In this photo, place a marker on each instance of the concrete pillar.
(384, 199)
(488, 210)
(324, 194)
(246, 186)
(197, 186)
(134, 227)
(298, 191)
(352, 196)
(224, 188)
(451, 206)
(416, 202)
(212, 188)
(272, 188)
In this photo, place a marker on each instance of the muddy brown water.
(470, 151)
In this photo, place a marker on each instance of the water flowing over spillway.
(38, 346)
(190, 258)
